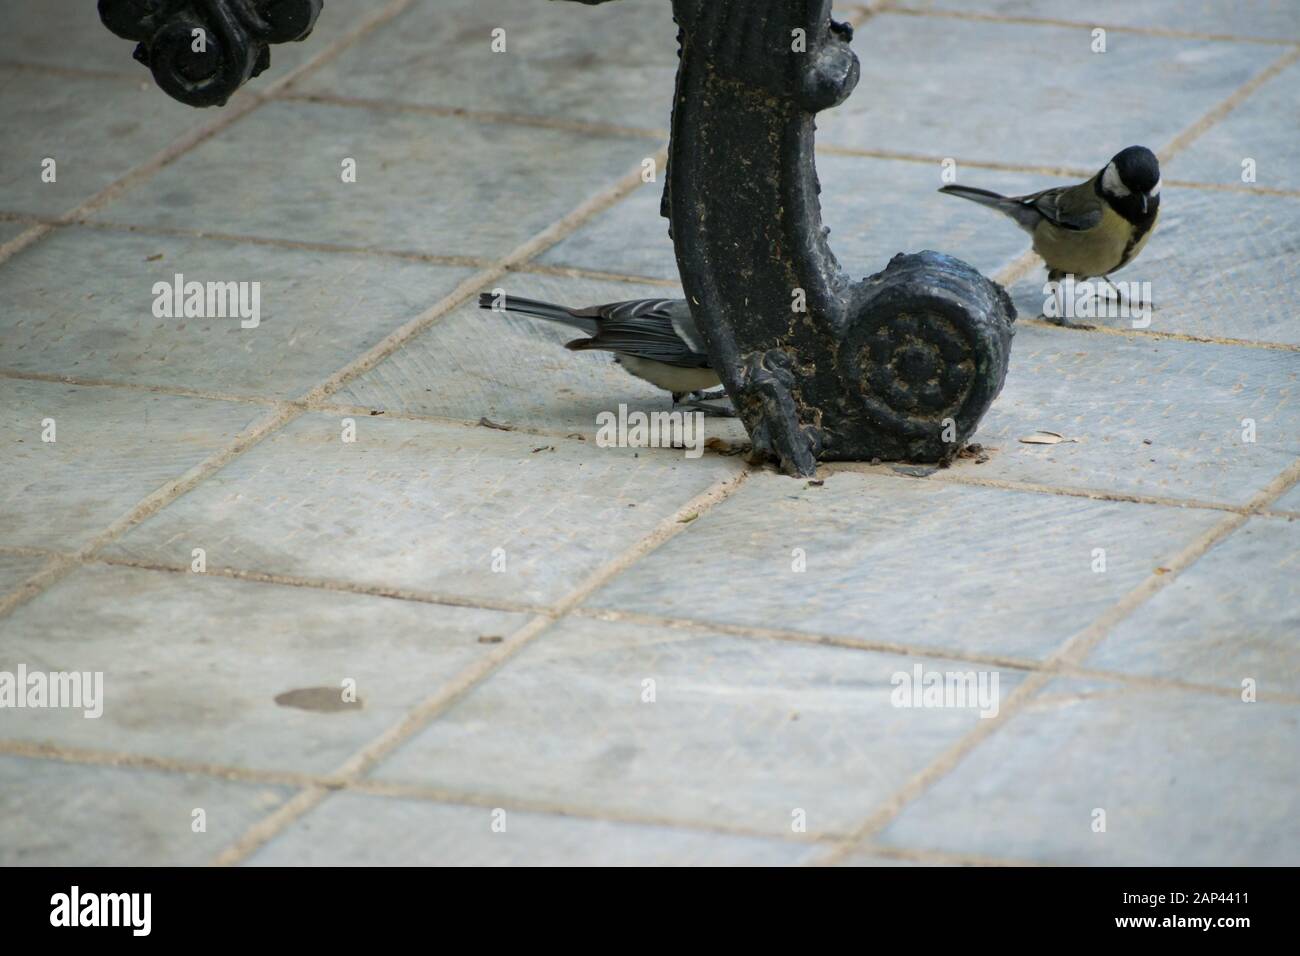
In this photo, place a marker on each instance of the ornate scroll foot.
(202, 51)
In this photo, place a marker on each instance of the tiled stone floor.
(564, 653)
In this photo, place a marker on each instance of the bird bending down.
(653, 339)
(1091, 229)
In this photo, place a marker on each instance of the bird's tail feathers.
(984, 197)
(537, 309)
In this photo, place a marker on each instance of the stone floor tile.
(1267, 19)
(17, 568)
(66, 34)
(1233, 615)
(611, 64)
(741, 732)
(112, 449)
(193, 665)
(428, 184)
(96, 130)
(1289, 501)
(1256, 130)
(874, 208)
(424, 506)
(12, 230)
(1238, 286)
(906, 561)
(957, 88)
(352, 829)
(118, 816)
(1115, 393)
(80, 303)
(1184, 780)
(630, 238)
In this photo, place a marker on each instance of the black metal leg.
(900, 366)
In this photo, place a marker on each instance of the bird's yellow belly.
(1089, 252)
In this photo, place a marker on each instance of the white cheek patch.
(1155, 190)
(1111, 184)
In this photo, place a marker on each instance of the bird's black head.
(1131, 182)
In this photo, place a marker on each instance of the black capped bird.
(655, 340)
(1092, 229)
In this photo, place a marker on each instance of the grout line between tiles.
(526, 268)
(328, 584)
(1138, 334)
(397, 790)
(1198, 129)
(952, 475)
(596, 275)
(1055, 669)
(428, 710)
(177, 232)
(956, 474)
(691, 625)
(593, 128)
(402, 790)
(134, 77)
(178, 391)
(1161, 32)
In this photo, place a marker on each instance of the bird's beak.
(1144, 204)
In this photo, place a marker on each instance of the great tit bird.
(1092, 229)
(654, 339)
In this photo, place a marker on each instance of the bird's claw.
(1065, 323)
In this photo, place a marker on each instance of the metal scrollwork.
(201, 51)
(901, 365)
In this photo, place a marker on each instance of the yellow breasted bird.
(1092, 229)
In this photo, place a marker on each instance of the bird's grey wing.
(657, 329)
(1070, 207)
(684, 326)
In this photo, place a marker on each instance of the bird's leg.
(1059, 294)
(700, 402)
(1119, 296)
(710, 411)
